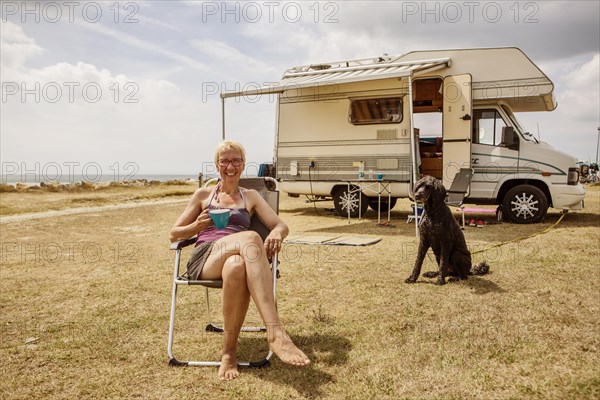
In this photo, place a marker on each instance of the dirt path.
(81, 210)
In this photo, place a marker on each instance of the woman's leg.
(236, 299)
(249, 246)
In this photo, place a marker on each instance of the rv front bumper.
(568, 197)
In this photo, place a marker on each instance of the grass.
(35, 201)
(85, 304)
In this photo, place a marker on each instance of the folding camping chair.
(458, 190)
(456, 195)
(269, 190)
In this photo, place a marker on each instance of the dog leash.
(523, 237)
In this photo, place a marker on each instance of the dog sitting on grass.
(440, 231)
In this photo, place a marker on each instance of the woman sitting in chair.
(237, 255)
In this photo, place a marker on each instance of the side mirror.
(510, 138)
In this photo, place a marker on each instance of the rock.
(6, 188)
(176, 182)
(53, 187)
(117, 184)
(72, 187)
(87, 186)
(31, 340)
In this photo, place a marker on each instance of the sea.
(35, 179)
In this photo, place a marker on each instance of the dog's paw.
(410, 279)
(441, 281)
(480, 269)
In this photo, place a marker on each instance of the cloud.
(175, 49)
(155, 23)
(77, 112)
(544, 30)
(226, 58)
(134, 41)
(15, 48)
(580, 95)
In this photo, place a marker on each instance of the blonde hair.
(229, 144)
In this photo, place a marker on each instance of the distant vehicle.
(341, 124)
(588, 172)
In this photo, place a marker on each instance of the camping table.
(370, 184)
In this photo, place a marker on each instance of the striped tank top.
(239, 220)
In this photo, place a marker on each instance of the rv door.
(456, 129)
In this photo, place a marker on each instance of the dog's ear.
(420, 183)
(439, 191)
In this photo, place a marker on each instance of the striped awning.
(327, 74)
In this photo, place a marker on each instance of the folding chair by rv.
(456, 195)
(269, 190)
(458, 191)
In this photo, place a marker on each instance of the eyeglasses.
(236, 162)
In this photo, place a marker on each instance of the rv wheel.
(525, 204)
(373, 203)
(344, 200)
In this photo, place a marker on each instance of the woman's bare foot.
(281, 344)
(228, 370)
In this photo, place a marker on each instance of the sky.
(116, 90)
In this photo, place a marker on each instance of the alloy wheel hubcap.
(524, 206)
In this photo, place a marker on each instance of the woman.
(231, 254)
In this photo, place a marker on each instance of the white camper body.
(341, 124)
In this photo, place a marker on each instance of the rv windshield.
(513, 119)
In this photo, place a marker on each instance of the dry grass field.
(85, 298)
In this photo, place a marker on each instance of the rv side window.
(487, 127)
(376, 111)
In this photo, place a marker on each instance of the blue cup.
(219, 217)
(379, 176)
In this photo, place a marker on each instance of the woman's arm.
(194, 218)
(278, 229)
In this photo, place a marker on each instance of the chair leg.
(172, 359)
(172, 325)
(210, 327)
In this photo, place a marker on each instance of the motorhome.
(343, 126)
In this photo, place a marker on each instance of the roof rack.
(361, 62)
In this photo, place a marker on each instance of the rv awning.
(326, 74)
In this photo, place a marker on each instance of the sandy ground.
(86, 296)
(82, 210)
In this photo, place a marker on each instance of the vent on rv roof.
(386, 134)
(319, 67)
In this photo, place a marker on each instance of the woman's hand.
(273, 244)
(203, 221)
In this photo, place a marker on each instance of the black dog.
(440, 231)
